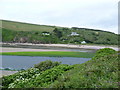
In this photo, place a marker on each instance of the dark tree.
(57, 32)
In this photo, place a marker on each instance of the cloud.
(100, 14)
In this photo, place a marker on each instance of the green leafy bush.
(104, 52)
(26, 74)
(101, 72)
(42, 66)
(38, 79)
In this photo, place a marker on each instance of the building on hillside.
(45, 33)
(74, 34)
(83, 42)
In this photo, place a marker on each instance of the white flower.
(17, 79)
(11, 85)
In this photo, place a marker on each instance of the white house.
(74, 34)
(45, 34)
(83, 42)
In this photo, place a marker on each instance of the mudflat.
(7, 49)
(5, 72)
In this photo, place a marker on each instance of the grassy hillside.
(31, 33)
(19, 26)
(100, 72)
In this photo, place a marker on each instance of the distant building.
(96, 33)
(83, 42)
(74, 34)
(45, 33)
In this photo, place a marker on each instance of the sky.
(94, 14)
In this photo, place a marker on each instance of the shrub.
(42, 66)
(29, 73)
(104, 52)
(101, 72)
(6, 80)
(41, 79)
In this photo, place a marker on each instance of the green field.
(52, 54)
(19, 26)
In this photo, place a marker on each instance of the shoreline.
(94, 47)
(11, 49)
(6, 73)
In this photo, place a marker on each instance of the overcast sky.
(96, 14)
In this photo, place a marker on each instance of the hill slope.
(32, 33)
(100, 72)
(20, 26)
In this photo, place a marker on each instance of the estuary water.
(24, 62)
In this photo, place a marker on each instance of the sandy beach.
(5, 72)
(6, 49)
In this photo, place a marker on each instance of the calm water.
(24, 62)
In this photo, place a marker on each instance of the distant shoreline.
(10, 49)
(96, 47)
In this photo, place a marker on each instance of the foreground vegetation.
(31, 33)
(100, 72)
(52, 54)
